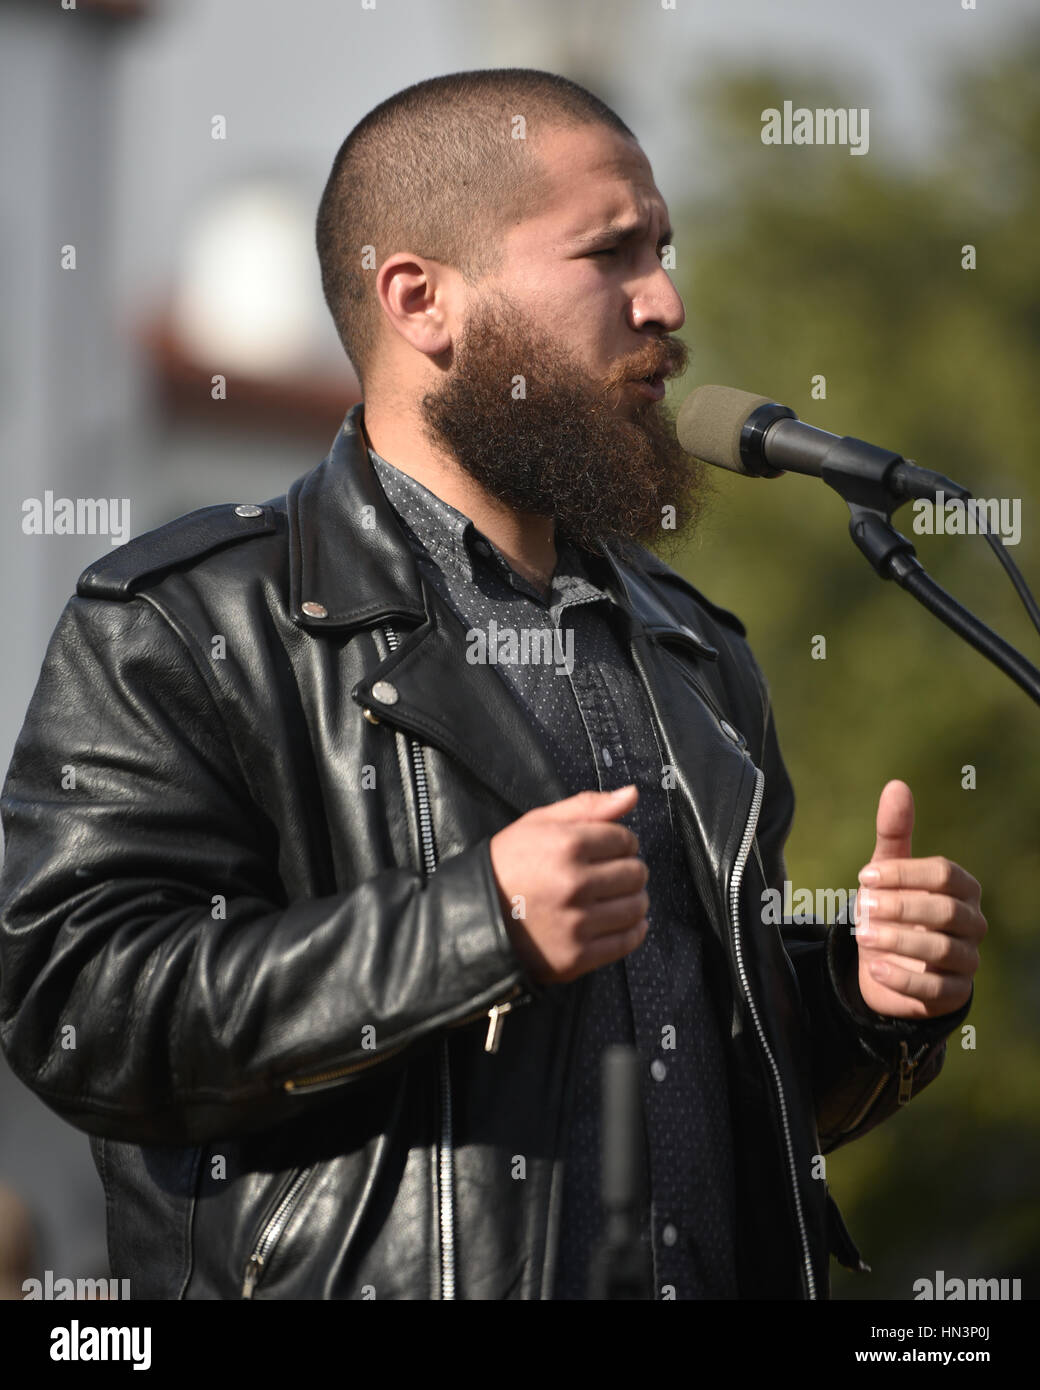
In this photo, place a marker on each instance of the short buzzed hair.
(438, 170)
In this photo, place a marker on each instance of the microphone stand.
(621, 1266)
(873, 483)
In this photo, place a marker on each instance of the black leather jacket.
(227, 958)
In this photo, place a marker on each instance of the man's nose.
(657, 301)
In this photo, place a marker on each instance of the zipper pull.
(252, 1275)
(495, 1026)
(906, 1075)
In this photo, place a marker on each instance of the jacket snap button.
(385, 693)
(315, 610)
(247, 509)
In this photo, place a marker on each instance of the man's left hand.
(918, 923)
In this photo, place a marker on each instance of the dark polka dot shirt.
(592, 711)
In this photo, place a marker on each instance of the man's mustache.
(664, 357)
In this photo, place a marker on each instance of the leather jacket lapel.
(349, 563)
(467, 710)
(351, 566)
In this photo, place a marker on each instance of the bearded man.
(345, 906)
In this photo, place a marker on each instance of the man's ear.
(415, 294)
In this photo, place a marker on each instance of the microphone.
(755, 436)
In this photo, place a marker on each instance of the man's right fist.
(581, 883)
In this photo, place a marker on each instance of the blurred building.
(225, 387)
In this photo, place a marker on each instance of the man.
(317, 831)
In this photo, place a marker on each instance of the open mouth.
(651, 385)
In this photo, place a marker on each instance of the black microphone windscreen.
(710, 421)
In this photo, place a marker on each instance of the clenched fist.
(581, 881)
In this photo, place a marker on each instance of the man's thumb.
(592, 805)
(895, 822)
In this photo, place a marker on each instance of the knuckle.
(572, 842)
(572, 885)
(634, 878)
(573, 922)
(945, 871)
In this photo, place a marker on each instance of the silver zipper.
(734, 904)
(907, 1065)
(446, 1153)
(272, 1231)
(735, 882)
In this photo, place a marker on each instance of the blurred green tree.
(804, 261)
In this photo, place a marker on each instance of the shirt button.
(607, 759)
(658, 1070)
(482, 547)
(669, 1235)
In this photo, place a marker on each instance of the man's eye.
(604, 251)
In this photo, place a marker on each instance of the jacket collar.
(349, 562)
(351, 565)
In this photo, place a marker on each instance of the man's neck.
(527, 541)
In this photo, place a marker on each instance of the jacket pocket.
(271, 1231)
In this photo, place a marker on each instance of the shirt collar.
(454, 542)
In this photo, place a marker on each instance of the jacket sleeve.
(861, 1060)
(155, 984)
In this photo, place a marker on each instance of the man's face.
(539, 403)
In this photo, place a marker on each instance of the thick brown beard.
(560, 450)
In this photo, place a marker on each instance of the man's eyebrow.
(618, 231)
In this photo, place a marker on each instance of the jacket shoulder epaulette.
(119, 574)
(653, 564)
